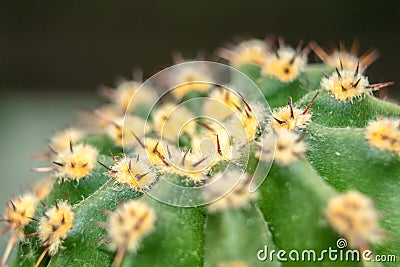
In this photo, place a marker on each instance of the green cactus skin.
(288, 214)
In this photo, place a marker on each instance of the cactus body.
(316, 160)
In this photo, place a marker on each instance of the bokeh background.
(54, 55)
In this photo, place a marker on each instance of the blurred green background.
(55, 54)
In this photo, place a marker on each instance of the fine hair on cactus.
(260, 158)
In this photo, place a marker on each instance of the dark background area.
(49, 45)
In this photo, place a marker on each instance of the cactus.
(332, 150)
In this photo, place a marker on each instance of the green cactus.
(335, 173)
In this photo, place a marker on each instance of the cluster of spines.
(185, 164)
(62, 140)
(222, 198)
(384, 134)
(248, 52)
(346, 84)
(133, 172)
(20, 212)
(222, 103)
(169, 119)
(120, 128)
(55, 225)
(127, 225)
(283, 146)
(354, 217)
(121, 96)
(73, 163)
(290, 117)
(284, 63)
(284, 142)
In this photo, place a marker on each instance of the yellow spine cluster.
(384, 134)
(55, 225)
(76, 162)
(353, 216)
